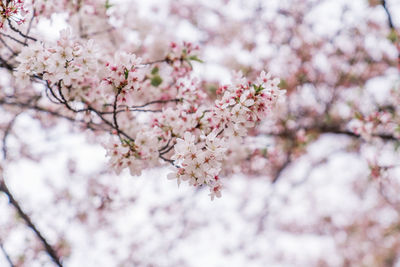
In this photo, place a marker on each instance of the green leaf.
(393, 36)
(283, 84)
(264, 152)
(107, 5)
(358, 116)
(154, 70)
(126, 142)
(212, 89)
(156, 80)
(195, 58)
(126, 72)
(258, 88)
(396, 146)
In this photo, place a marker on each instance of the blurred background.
(320, 186)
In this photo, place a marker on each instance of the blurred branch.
(338, 130)
(290, 135)
(12, 201)
(330, 129)
(6, 255)
(30, 25)
(35, 107)
(279, 172)
(7, 46)
(12, 38)
(5, 64)
(48, 248)
(390, 20)
(20, 33)
(393, 29)
(86, 35)
(6, 133)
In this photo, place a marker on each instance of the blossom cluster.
(200, 155)
(182, 127)
(12, 10)
(135, 156)
(66, 61)
(244, 103)
(181, 56)
(194, 135)
(200, 161)
(123, 76)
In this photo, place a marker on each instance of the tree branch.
(13, 38)
(6, 255)
(279, 172)
(390, 20)
(331, 129)
(6, 133)
(19, 32)
(393, 29)
(48, 248)
(90, 125)
(5, 64)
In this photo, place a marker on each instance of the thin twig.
(85, 35)
(168, 150)
(393, 29)
(154, 102)
(19, 32)
(390, 20)
(13, 38)
(90, 125)
(156, 61)
(172, 162)
(6, 133)
(6, 255)
(30, 25)
(115, 110)
(7, 46)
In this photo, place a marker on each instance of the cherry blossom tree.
(203, 91)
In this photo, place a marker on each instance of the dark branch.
(390, 20)
(48, 248)
(5, 64)
(89, 125)
(331, 129)
(176, 100)
(14, 39)
(6, 255)
(167, 150)
(168, 160)
(115, 110)
(19, 32)
(393, 29)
